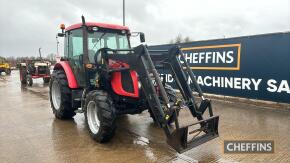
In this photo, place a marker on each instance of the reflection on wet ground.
(30, 133)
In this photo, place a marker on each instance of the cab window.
(75, 41)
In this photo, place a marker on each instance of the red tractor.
(101, 74)
(34, 69)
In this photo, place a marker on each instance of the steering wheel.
(100, 54)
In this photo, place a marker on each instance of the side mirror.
(60, 34)
(142, 37)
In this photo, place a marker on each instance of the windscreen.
(98, 40)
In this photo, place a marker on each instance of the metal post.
(123, 12)
(39, 51)
(57, 43)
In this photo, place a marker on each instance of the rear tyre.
(172, 99)
(60, 96)
(29, 80)
(100, 116)
(46, 80)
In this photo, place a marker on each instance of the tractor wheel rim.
(92, 117)
(56, 95)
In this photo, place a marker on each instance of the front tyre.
(23, 76)
(172, 99)
(8, 71)
(100, 116)
(60, 96)
(29, 80)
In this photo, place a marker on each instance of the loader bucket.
(207, 130)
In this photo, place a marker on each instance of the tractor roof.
(94, 24)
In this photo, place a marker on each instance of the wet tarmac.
(30, 133)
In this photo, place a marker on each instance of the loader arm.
(140, 60)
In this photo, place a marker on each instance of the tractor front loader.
(108, 78)
(140, 60)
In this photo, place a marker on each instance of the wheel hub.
(92, 117)
(56, 95)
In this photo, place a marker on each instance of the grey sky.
(29, 24)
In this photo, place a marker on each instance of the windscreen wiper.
(99, 39)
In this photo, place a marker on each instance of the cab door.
(74, 48)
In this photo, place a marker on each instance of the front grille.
(42, 69)
(127, 81)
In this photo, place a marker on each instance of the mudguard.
(72, 82)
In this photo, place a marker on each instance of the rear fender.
(72, 82)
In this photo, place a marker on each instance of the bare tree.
(51, 57)
(186, 39)
(179, 39)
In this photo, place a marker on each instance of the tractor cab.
(99, 36)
